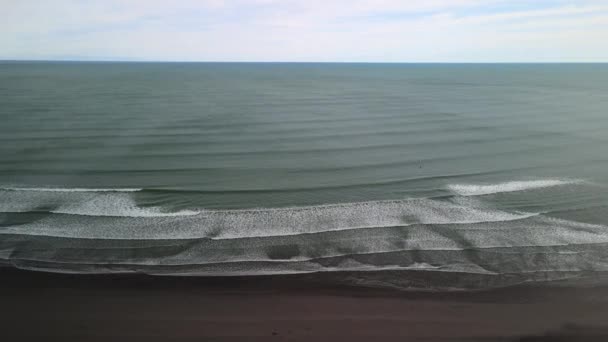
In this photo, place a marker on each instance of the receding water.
(497, 172)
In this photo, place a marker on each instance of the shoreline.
(131, 307)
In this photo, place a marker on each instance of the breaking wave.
(71, 189)
(116, 217)
(487, 189)
(466, 238)
(85, 202)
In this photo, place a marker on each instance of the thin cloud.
(306, 30)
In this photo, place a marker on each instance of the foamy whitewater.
(399, 175)
(90, 202)
(488, 189)
(433, 235)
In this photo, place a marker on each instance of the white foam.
(487, 189)
(112, 205)
(153, 223)
(248, 257)
(71, 189)
(293, 221)
(87, 203)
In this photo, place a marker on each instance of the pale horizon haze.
(305, 30)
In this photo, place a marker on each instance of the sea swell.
(97, 230)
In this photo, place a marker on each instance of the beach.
(143, 308)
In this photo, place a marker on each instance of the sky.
(306, 30)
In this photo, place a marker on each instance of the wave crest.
(71, 189)
(81, 202)
(488, 189)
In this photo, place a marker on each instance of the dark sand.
(42, 306)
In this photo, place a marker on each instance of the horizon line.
(286, 62)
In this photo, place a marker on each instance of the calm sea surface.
(484, 175)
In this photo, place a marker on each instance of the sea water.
(492, 173)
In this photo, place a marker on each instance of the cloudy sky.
(306, 30)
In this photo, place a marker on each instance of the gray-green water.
(223, 169)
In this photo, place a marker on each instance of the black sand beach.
(43, 306)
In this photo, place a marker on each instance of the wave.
(117, 207)
(121, 202)
(71, 189)
(458, 239)
(513, 260)
(152, 223)
(80, 201)
(231, 224)
(488, 189)
(341, 253)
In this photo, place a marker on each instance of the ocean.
(414, 176)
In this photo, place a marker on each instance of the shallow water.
(225, 169)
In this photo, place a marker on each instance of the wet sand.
(43, 306)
